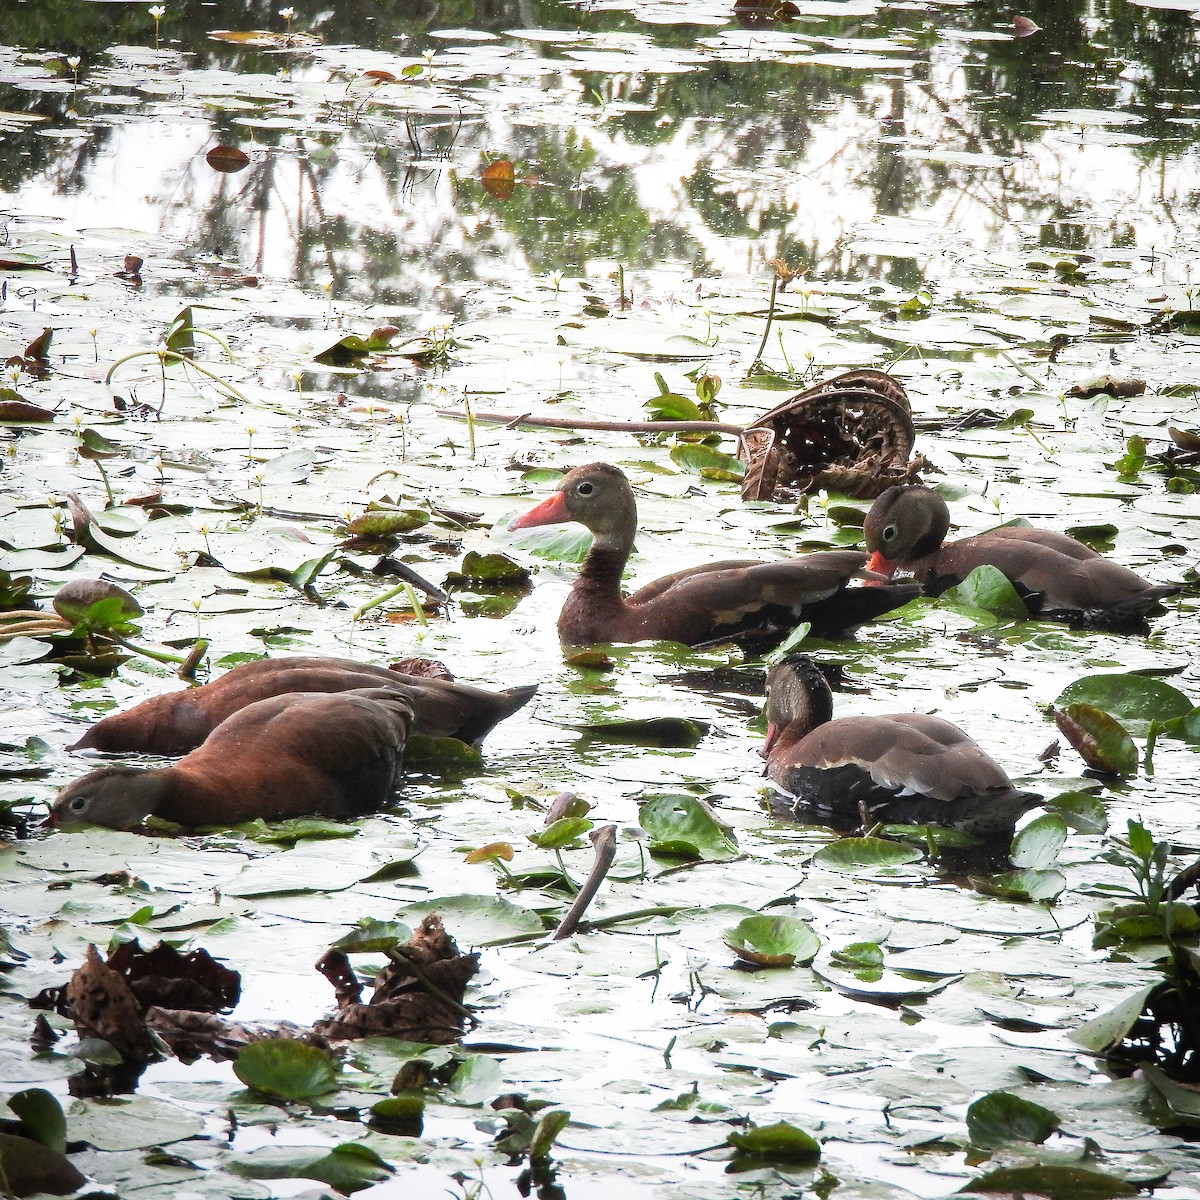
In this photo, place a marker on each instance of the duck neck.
(604, 565)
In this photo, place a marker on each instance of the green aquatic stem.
(158, 655)
(756, 362)
(401, 589)
(165, 356)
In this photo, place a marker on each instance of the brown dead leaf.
(103, 1006)
(499, 179)
(1110, 384)
(22, 410)
(168, 979)
(227, 159)
(418, 995)
(1023, 27)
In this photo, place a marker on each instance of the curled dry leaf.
(1110, 385)
(418, 995)
(1023, 27)
(103, 1006)
(1098, 737)
(852, 434)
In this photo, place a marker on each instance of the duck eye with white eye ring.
(889, 532)
(586, 488)
(78, 804)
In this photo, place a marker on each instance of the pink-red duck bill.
(551, 511)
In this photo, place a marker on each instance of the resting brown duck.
(177, 722)
(735, 599)
(297, 754)
(903, 768)
(1058, 577)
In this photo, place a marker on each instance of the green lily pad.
(988, 588)
(561, 833)
(41, 1117)
(773, 941)
(1102, 1032)
(1037, 845)
(1034, 884)
(1056, 1182)
(667, 732)
(1001, 1117)
(1084, 812)
(29, 1167)
(708, 462)
(1128, 697)
(853, 853)
(781, 1142)
(493, 570)
(684, 827)
(287, 1069)
(373, 937)
(347, 1168)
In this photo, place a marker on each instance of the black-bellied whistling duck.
(1058, 577)
(297, 754)
(904, 768)
(177, 722)
(733, 599)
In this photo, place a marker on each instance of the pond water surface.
(994, 219)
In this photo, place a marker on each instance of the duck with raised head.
(177, 722)
(293, 755)
(903, 768)
(1058, 577)
(736, 599)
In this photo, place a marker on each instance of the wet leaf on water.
(440, 753)
(347, 1168)
(790, 643)
(773, 941)
(987, 588)
(1111, 385)
(373, 937)
(781, 1142)
(14, 409)
(1100, 740)
(932, 838)
(672, 406)
(1102, 1032)
(859, 956)
(550, 1124)
(1127, 696)
(287, 1069)
(667, 732)
(95, 446)
(490, 570)
(96, 604)
(29, 1168)
(499, 179)
(684, 827)
(180, 335)
(708, 462)
(477, 919)
(384, 523)
(41, 1118)
(1037, 845)
(853, 853)
(1000, 1117)
(562, 833)
(227, 159)
(560, 543)
(1034, 884)
(1182, 1103)
(492, 852)
(1024, 27)
(1052, 1180)
(297, 829)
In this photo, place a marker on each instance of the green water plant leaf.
(1100, 739)
(781, 1142)
(684, 827)
(988, 588)
(41, 1117)
(708, 462)
(1058, 1182)
(853, 853)
(287, 1069)
(1127, 696)
(347, 1168)
(1106, 1030)
(773, 941)
(1037, 845)
(680, 732)
(28, 1167)
(1000, 1117)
